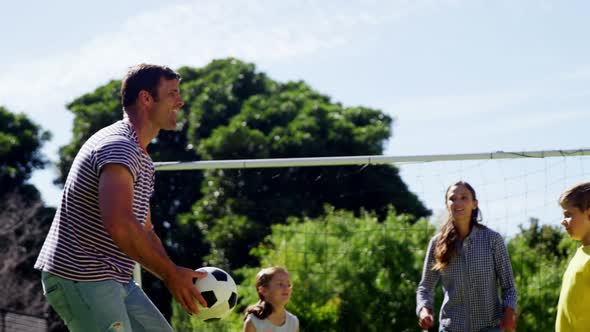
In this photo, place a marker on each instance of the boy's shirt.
(574, 301)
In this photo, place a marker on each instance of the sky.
(457, 76)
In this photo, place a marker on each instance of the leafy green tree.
(539, 255)
(20, 150)
(348, 273)
(282, 120)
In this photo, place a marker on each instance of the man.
(103, 224)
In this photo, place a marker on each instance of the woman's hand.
(425, 319)
(509, 321)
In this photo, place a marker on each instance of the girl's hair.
(262, 309)
(577, 196)
(445, 246)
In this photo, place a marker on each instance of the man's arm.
(148, 227)
(116, 209)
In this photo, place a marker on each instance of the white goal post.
(358, 160)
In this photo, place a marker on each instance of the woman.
(471, 260)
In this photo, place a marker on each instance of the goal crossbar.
(357, 160)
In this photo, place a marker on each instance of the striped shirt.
(77, 246)
(470, 282)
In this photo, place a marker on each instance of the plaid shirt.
(470, 282)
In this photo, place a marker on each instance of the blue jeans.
(102, 306)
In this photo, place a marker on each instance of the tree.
(283, 120)
(539, 257)
(20, 145)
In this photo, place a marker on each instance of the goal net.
(512, 187)
(353, 266)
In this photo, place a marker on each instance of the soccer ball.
(219, 291)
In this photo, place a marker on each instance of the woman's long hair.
(262, 309)
(445, 246)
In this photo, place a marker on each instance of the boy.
(574, 300)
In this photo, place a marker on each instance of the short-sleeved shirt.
(78, 246)
(264, 325)
(574, 300)
(470, 282)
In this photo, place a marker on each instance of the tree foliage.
(20, 149)
(268, 119)
(539, 255)
(348, 273)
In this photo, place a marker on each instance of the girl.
(269, 314)
(471, 260)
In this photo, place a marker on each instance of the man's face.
(166, 104)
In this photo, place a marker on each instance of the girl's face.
(577, 223)
(278, 290)
(460, 203)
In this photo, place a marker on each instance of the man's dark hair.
(144, 77)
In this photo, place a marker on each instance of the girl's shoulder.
(252, 318)
(291, 316)
(257, 323)
(291, 322)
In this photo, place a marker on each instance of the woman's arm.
(506, 280)
(425, 292)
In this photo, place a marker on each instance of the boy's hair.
(263, 308)
(144, 77)
(577, 196)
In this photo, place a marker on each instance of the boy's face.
(577, 223)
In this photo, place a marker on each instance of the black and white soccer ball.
(219, 291)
